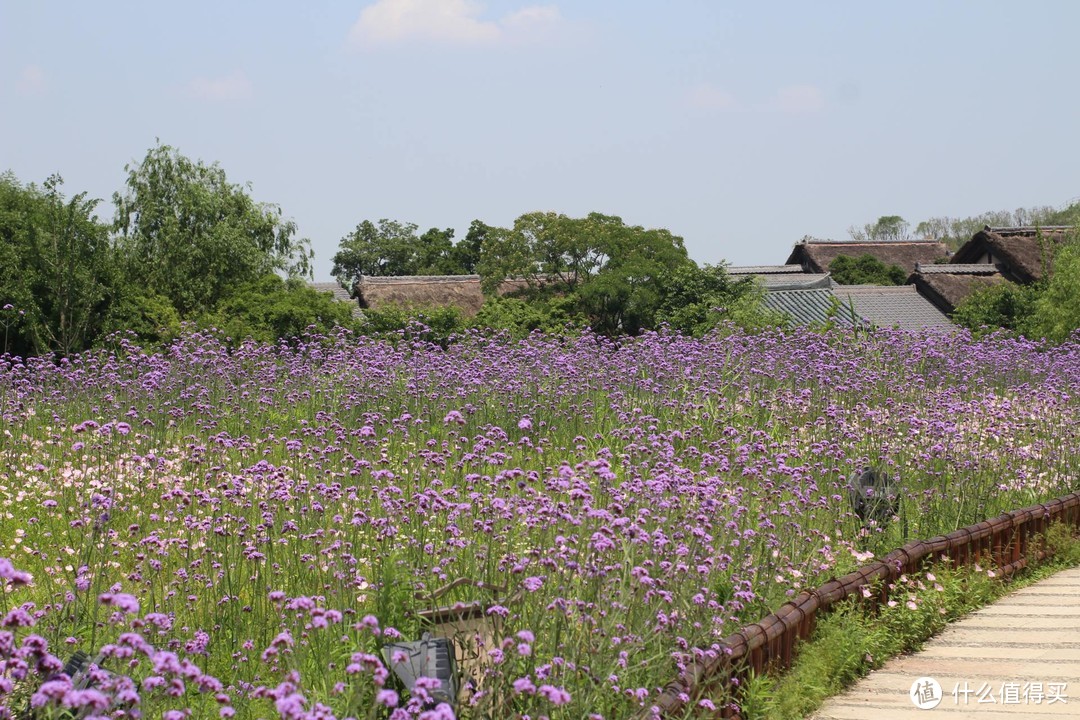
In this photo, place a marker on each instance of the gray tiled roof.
(957, 269)
(893, 306)
(802, 281)
(807, 307)
(763, 269)
(339, 293)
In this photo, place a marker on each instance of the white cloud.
(234, 86)
(455, 22)
(798, 99)
(710, 97)
(31, 80)
(532, 18)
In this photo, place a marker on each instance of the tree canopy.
(390, 248)
(58, 299)
(865, 270)
(611, 268)
(888, 228)
(954, 232)
(1047, 309)
(190, 235)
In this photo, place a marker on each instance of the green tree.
(466, 253)
(392, 248)
(58, 268)
(888, 228)
(388, 248)
(1057, 306)
(865, 270)
(1003, 306)
(150, 317)
(271, 308)
(430, 324)
(521, 316)
(697, 299)
(954, 232)
(435, 253)
(612, 270)
(192, 236)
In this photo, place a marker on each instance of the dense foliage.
(192, 236)
(887, 228)
(59, 269)
(623, 279)
(954, 232)
(394, 248)
(865, 270)
(1047, 309)
(186, 246)
(241, 529)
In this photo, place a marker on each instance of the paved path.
(1022, 652)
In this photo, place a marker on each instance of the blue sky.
(740, 127)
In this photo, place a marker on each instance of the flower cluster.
(241, 530)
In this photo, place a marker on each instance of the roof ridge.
(1025, 229)
(920, 241)
(406, 279)
(957, 268)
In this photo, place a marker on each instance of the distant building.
(893, 306)
(340, 294)
(948, 285)
(809, 307)
(426, 291)
(813, 298)
(816, 256)
(992, 256)
(1022, 254)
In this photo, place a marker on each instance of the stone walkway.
(1018, 659)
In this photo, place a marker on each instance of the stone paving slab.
(1022, 652)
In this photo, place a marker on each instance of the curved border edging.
(1005, 541)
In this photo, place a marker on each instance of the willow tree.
(187, 234)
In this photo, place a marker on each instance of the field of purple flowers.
(238, 532)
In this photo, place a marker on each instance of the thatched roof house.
(1022, 254)
(946, 286)
(815, 256)
(426, 291)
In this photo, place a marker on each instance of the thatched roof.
(1023, 254)
(948, 289)
(426, 291)
(817, 255)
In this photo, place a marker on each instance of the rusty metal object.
(1005, 542)
(471, 629)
